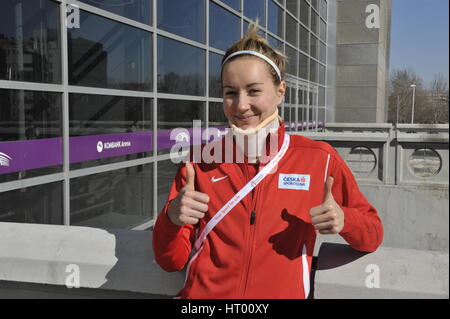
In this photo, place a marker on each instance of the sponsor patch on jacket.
(294, 181)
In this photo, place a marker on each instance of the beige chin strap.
(252, 141)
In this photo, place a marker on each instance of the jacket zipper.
(252, 217)
(250, 247)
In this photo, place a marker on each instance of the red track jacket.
(263, 248)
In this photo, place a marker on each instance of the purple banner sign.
(87, 148)
(30, 154)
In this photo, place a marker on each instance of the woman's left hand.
(328, 218)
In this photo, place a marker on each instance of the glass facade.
(113, 199)
(30, 41)
(183, 18)
(106, 54)
(220, 37)
(95, 116)
(181, 68)
(40, 204)
(30, 119)
(87, 107)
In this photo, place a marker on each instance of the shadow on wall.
(136, 272)
(332, 255)
(137, 275)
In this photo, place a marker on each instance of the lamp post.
(412, 109)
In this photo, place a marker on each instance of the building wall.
(362, 64)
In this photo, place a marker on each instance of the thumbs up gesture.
(189, 206)
(328, 218)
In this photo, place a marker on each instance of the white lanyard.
(241, 194)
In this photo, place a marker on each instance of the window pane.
(220, 37)
(313, 71)
(323, 9)
(323, 30)
(321, 74)
(37, 205)
(292, 119)
(300, 96)
(304, 66)
(286, 116)
(321, 118)
(215, 67)
(275, 19)
(216, 115)
(235, 4)
(314, 47)
(29, 41)
(275, 43)
(288, 112)
(30, 121)
(29, 115)
(304, 39)
(314, 22)
(301, 118)
(174, 114)
(321, 96)
(254, 9)
(122, 126)
(323, 52)
(287, 96)
(166, 173)
(116, 199)
(291, 66)
(184, 18)
(140, 10)
(314, 4)
(105, 53)
(291, 31)
(181, 68)
(291, 5)
(304, 12)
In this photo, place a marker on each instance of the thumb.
(190, 176)
(327, 195)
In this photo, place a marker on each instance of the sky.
(420, 37)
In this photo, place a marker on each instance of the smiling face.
(249, 94)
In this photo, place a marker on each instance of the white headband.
(259, 55)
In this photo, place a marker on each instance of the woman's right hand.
(189, 206)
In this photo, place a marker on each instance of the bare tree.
(438, 96)
(430, 106)
(400, 88)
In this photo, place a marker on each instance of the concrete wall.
(116, 260)
(388, 273)
(362, 64)
(330, 115)
(119, 264)
(414, 209)
(413, 216)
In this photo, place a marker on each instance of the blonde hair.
(254, 42)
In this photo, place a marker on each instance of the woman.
(266, 213)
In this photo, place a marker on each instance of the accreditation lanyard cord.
(241, 194)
